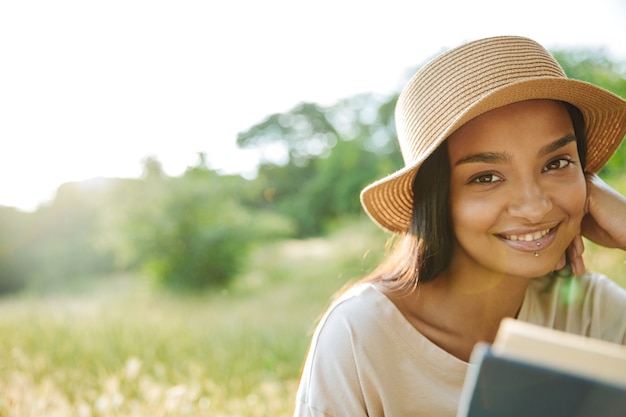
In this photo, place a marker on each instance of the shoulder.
(572, 288)
(592, 305)
(332, 378)
(360, 299)
(604, 289)
(359, 311)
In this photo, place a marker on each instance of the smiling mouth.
(528, 237)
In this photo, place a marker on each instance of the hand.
(604, 223)
(575, 254)
(605, 219)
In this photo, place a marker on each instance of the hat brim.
(389, 201)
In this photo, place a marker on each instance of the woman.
(501, 150)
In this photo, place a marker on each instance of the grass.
(120, 349)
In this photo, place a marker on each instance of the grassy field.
(119, 349)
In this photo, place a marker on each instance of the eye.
(558, 164)
(486, 179)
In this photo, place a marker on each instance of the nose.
(530, 202)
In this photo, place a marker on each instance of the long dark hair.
(425, 250)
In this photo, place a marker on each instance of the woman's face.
(516, 189)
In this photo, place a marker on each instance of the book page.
(571, 353)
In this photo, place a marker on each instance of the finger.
(579, 244)
(561, 263)
(575, 250)
(590, 180)
(571, 250)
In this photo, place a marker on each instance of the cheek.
(473, 214)
(572, 198)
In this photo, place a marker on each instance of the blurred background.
(179, 184)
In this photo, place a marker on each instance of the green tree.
(322, 171)
(296, 136)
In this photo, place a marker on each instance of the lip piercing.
(536, 254)
(538, 243)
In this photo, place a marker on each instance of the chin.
(537, 272)
(531, 268)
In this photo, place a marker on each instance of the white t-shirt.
(366, 359)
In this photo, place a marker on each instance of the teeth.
(529, 237)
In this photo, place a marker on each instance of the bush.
(192, 232)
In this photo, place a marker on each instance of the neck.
(455, 311)
(474, 304)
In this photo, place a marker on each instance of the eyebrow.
(500, 157)
(556, 145)
(485, 157)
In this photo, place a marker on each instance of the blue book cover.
(498, 385)
(505, 387)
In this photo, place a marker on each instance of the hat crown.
(440, 94)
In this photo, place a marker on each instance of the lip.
(538, 245)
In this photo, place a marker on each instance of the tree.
(329, 155)
(297, 136)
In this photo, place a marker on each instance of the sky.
(92, 88)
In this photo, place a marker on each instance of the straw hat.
(468, 81)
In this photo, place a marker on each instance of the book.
(535, 371)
